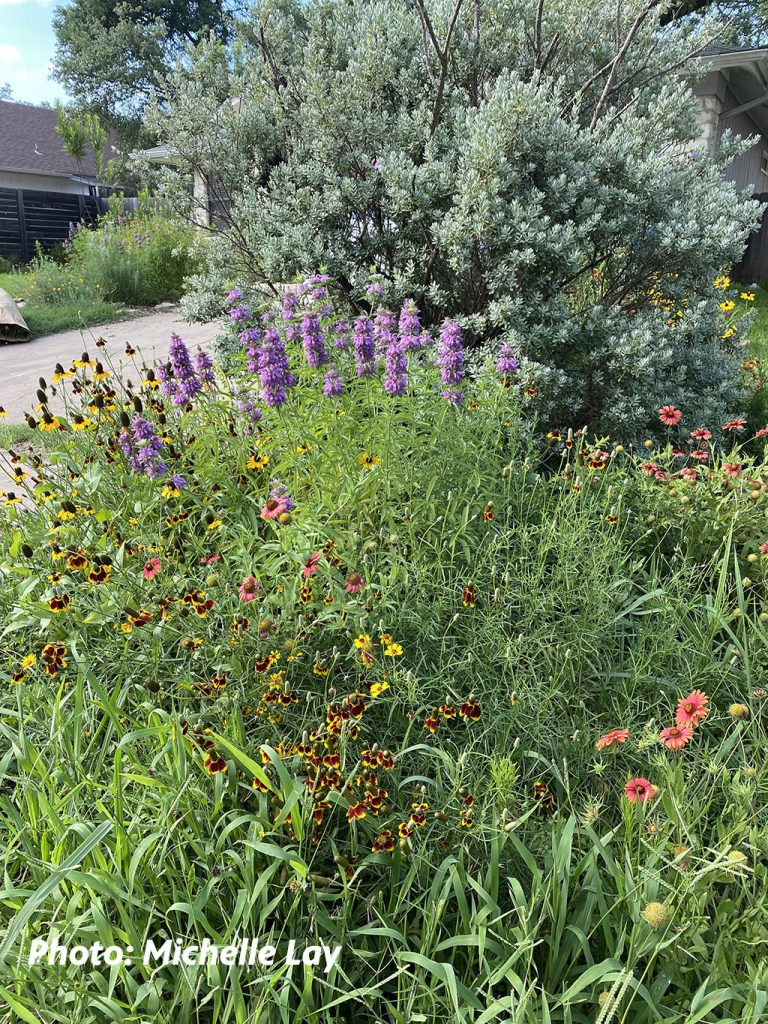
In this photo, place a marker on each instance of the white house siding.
(42, 182)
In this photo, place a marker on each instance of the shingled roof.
(29, 142)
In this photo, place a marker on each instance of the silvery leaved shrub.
(529, 168)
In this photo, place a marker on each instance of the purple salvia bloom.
(450, 359)
(384, 329)
(365, 349)
(340, 332)
(315, 285)
(274, 371)
(396, 366)
(507, 363)
(312, 339)
(178, 481)
(234, 296)
(142, 447)
(332, 383)
(410, 325)
(204, 367)
(184, 384)
(373, 289)
(250, 339)
(239, 313)
(249, 409)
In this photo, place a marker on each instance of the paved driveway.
(22, 364)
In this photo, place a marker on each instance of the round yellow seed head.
(738, 711)
(656, 914)
(736, 858)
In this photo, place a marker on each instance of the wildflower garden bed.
(337, 646)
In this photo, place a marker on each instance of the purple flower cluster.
(313, 341)
(178, 377)
(340, 334)
(396, 367)
(250, 338)
(273, 369)
(384, 329)
(142, 447)
(332, 383)
(204, 367)
(279, 502)
(507, 363)
(238, 314)
(365, 349)
(410, 325)
(250, 410)
(450, 359)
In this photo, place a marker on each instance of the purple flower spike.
(410, 325)
(396, 377)
(274, 371)
(507, 363)
(450, 359)
(332, 385)
(365, 349)
(204, 367)
(384, 329)
(340, 332)
(312, 340)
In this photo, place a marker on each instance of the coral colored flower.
(639, 789)
(209, 559)
(615, 736)
(151, 568)
(700, 455)
(701, 434)
(764, 548)
(311, 564)
(355, 582)
(249, 589)
(692, 709)
(669, 415)
(675, 736)
(735, 425)
(732, 469)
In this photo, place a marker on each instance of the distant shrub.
(137, 259)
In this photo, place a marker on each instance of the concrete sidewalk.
(21, 364)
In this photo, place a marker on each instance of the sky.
(27, 45)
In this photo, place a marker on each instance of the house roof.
(29, 142)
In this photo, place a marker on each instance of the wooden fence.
(28, 216)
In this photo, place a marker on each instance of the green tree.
(110, 56)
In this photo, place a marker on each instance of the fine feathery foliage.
(529, 168)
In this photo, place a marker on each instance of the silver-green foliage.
(530, 167)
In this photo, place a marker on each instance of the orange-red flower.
(639, 789)
(669, 415)
(151, 568)
(614, 737)
(692, 709)
(675, 736)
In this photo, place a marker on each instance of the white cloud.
(9, 53)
